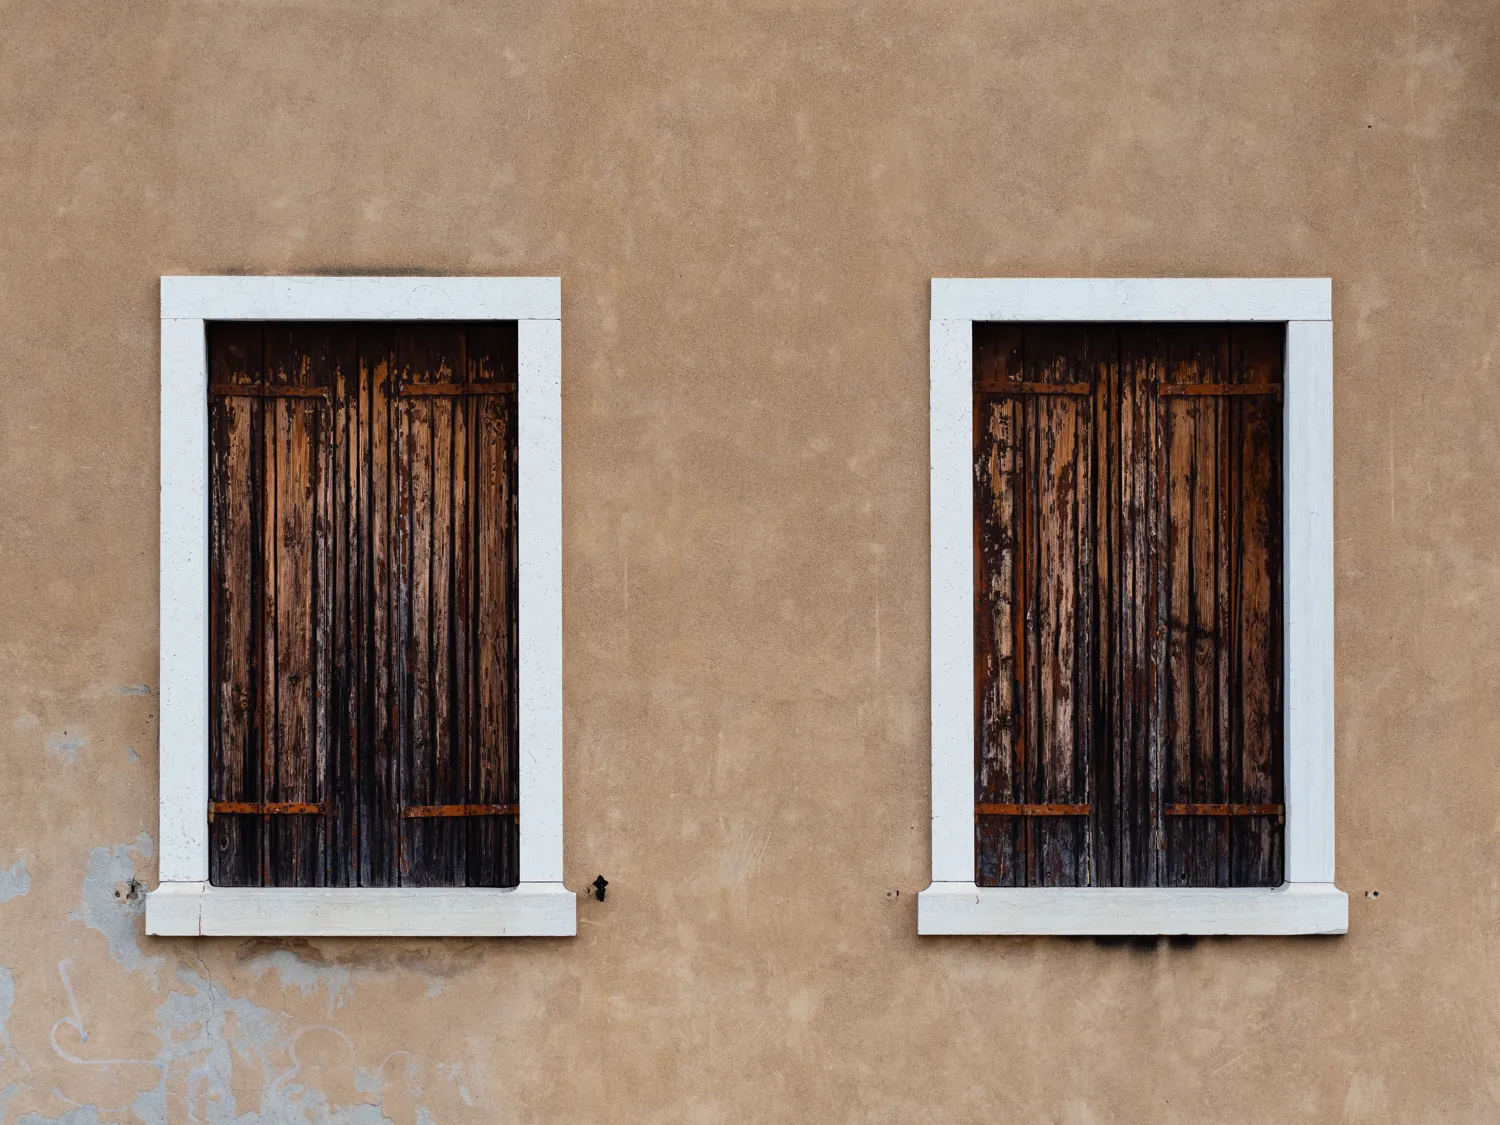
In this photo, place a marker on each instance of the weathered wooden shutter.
(269, 423)
(454, 581)
(1127, 625)
(1035, 418)
(362, 577)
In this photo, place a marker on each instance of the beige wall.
(745, 202)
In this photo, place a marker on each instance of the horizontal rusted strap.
(459, 810)
(988, 809)
(1215, 389)
(456, 390)
(242, 390)
(267, 808)
(1084, 389)
(1226, 810)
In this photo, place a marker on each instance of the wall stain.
(65, 746)
(14, 881)
(214, 1049)
(111, 902)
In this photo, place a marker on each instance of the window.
(1131, 630)
(362, 587)
(361, 596)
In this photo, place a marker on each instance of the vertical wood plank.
(234, 684)
(342, 664)
(1105, 823)
(492, 487)
(496, 634)
(1256, 775)
(1210, 345)
(379, 762)
(296, 356)
(998, 363)
(1062, 638)
(1137, 803)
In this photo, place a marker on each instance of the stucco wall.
(746, 202)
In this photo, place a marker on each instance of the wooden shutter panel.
(1149, 583)
(363, 605)
(1035, 414)
(270, 604)
(453, 562)
(1216, 541)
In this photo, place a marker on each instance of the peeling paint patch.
(7, 999)
(131, 754)
(113, 902)
(133, 689)
(83, 1115)
(14, 881)
(65, 746)
(306, 976)
(204, 1033)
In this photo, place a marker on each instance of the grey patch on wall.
(14, 881)
(113, 904)
(11, 1058)
(133, 689)
(204, 1032)
(83, 1115)
(131, 754)
(65, 746)
(7, 1001)
(305, 975)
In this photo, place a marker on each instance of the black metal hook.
(599, 884)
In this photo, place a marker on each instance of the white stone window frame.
(1308, 902)
(184, 902)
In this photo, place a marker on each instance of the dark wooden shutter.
(362, 579)
(454, 562)
(1035, 418)
(1128, 605)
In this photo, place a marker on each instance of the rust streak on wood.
(423, 811)
(239, 390)
(456, 390)
(268, 808)
(991, 808)
(1220, 390)
(1225, 810)
(1077, 390)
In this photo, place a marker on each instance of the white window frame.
(1308, 902)
(184, 903)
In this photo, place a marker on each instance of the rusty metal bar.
(1226, 810)
(241, 390)
(408, 811)
(990, 809)
(267, 808)
(1219, 389)
(1084, 389)
(457, 390)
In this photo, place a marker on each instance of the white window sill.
(1292, 908)
(194, 909)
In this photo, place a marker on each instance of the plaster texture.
(746, 203)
